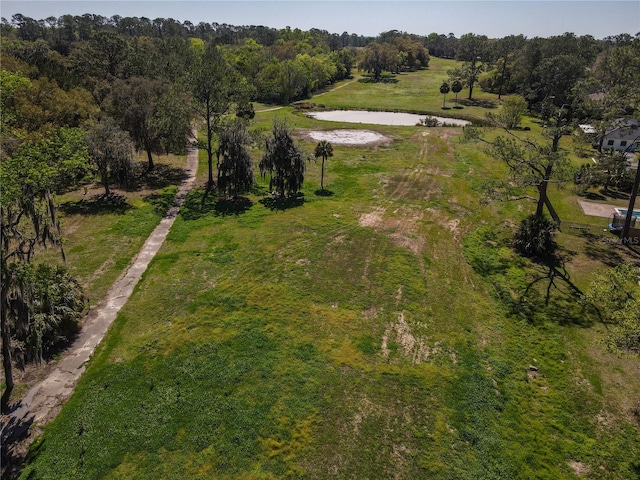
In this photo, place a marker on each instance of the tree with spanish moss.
(456, 87)
(37, 305)
(111, 151)
(378, 57)
(153, 113)
(471, 49)
(216, 88)
(235, 167)
(283, 161)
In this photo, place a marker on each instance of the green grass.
(417, 92)
(100, 238)
(358, 335)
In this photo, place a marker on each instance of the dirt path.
(313, 96)
(336, 88)
(43, 402)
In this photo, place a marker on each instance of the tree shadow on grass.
(225, 207)
(383, 79)
(605, 252)
(283, 203)
(324, 193)
(199, 204)
(161, 176)
(614, 194)
(594, 196)
(162, 201)
(97, 205)
(479, 103)
(549, 295)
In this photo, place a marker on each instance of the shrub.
(534, 237)
(429, 121)
(513, 108)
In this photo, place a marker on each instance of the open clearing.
(348, 336)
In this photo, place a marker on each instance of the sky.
(369, 17)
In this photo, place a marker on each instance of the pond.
(379, 118)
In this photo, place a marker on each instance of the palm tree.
(456, 87)
(324, 150)
(535, 237)
(444, 89)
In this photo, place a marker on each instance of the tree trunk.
(542, 196)
(632, 202)
(218, 167)
(150, 165)
(472, 77)
(210, 182)
(322, 174)
(502, 75)
(6, 357)
(105, 182)
(209, 147)
(556, 141)
(554, 214)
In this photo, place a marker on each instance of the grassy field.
(93, 226)
(417, 92)
(100, 236)
(355, 335)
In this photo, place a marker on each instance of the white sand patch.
(348, 137)
(579, 468)
(370, 220)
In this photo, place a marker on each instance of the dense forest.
(91, 52)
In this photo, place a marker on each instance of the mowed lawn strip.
(347, 337)
(417, 92)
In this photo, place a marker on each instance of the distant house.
(623, 135)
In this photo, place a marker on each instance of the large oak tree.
(152, 112)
